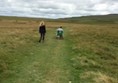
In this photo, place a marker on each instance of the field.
(88, 53)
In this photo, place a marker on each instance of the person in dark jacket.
(42, 31)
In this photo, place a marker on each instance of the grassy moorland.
(94, 53)
(88, 53)
(97, 19)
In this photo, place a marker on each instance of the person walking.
(42, 31)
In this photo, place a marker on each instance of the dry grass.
(95, 48)
(98, 77)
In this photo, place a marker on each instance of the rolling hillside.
(87, 54)
(101, 19)
(111, 18)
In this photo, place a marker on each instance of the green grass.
(25, 60)
(88, 53)
(94, 50)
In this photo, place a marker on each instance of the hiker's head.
(60, 26)
(42, 23)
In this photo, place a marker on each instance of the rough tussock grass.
(95, 53)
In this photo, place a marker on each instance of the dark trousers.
(42, 37)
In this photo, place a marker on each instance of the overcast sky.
(57, 8)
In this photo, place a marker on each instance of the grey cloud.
(57, 8)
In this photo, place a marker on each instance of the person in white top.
(59, 33)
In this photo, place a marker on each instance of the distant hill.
(111, 18)
(20, 18)
(102, 19)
